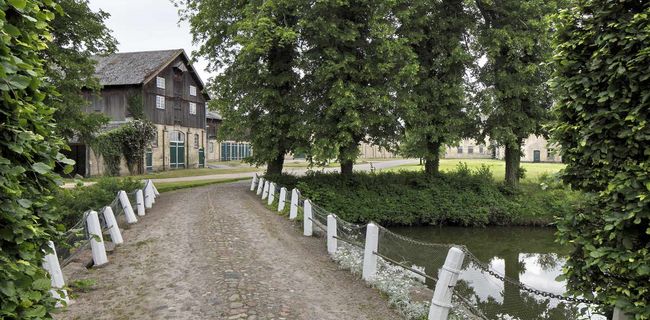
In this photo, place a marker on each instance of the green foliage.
(70, 204)
(257, 91)
(82, 285)
(463, 197)
(129, 140)
(29, 151)
(437, 112)
(355, 71)
(77, 34)
(135, 106)
(601, 83)
(514, 36)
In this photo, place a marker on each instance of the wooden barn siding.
(112, 101)
(169, 115)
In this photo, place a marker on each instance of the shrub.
(462, 197)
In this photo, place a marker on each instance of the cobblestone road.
(216, 252)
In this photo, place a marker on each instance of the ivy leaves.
(600, 81)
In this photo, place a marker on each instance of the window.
(470, 150)
(176, 136)
(154, 140)
(460, 150)
(160, 82)
(480, 149)
(192, 108)
(550, 156)
(192, 90)
(196, 141)
(211, 147)
(160, 102)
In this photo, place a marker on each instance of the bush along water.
(463, 197)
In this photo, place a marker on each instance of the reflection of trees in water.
(547, 261)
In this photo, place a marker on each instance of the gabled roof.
(133, 68)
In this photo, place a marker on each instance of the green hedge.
(462, 197)
(70, 204)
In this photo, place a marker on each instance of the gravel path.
(216, 252)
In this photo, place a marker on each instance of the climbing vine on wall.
(129, 141)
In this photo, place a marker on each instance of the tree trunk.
(432, 159)
(346, 167)
(513, 158)
(275, 166)
(347, 155)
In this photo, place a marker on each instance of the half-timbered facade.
(163, 86)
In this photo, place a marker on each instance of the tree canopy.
(601, 83)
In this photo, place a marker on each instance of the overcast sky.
(143, 25)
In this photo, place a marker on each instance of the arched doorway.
(176, 149)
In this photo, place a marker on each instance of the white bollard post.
(447, 278)
(265, 191)
(619, 315)
(139, 202)
(126, 205)
(307, 224)
(113, 228)
(332, 244)
(293, 209)
(148, 197)
(283, 198)
(271, 193)
(369, 257)
(253, 182)
(155, 190)
(51, 264)
(96, 239)
(260, 185)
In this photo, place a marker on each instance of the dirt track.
(216, 252)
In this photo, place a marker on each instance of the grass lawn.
(497, 167)
(170, 186)
(193, 172)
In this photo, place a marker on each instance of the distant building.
(535, 149)
(173, 99)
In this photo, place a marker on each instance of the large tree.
(354, 64)
(78, 33)
(602, 86)
(254, 46)
(438, 34)
(514, 38)
(29, 149)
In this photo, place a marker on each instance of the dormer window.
(160, 82)
(192, 108)
(193, 91)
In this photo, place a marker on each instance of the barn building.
(171, 94)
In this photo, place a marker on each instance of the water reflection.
(525, 255)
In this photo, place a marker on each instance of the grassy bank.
(171, 186)
(464, 196)
(533, 171)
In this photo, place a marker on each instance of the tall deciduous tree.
(602, 83)
(77, 34)
(354, 65)
(29, 149)
(254, 44)
(514, 37)
(438, 33)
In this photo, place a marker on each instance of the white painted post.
(283, 198)
(271, 193)
(139, 202)
(155, 190)
(447, 278)
(619, 315)
(148, 196)
(126, 205)
(369, 257)
(96, 239)
(293, 209)
(51, 264)
(265, 192)
(260, 185)
(113, 228)
(308, 227)
(253, 182)
(331, 234)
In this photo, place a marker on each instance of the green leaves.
(602, 125)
